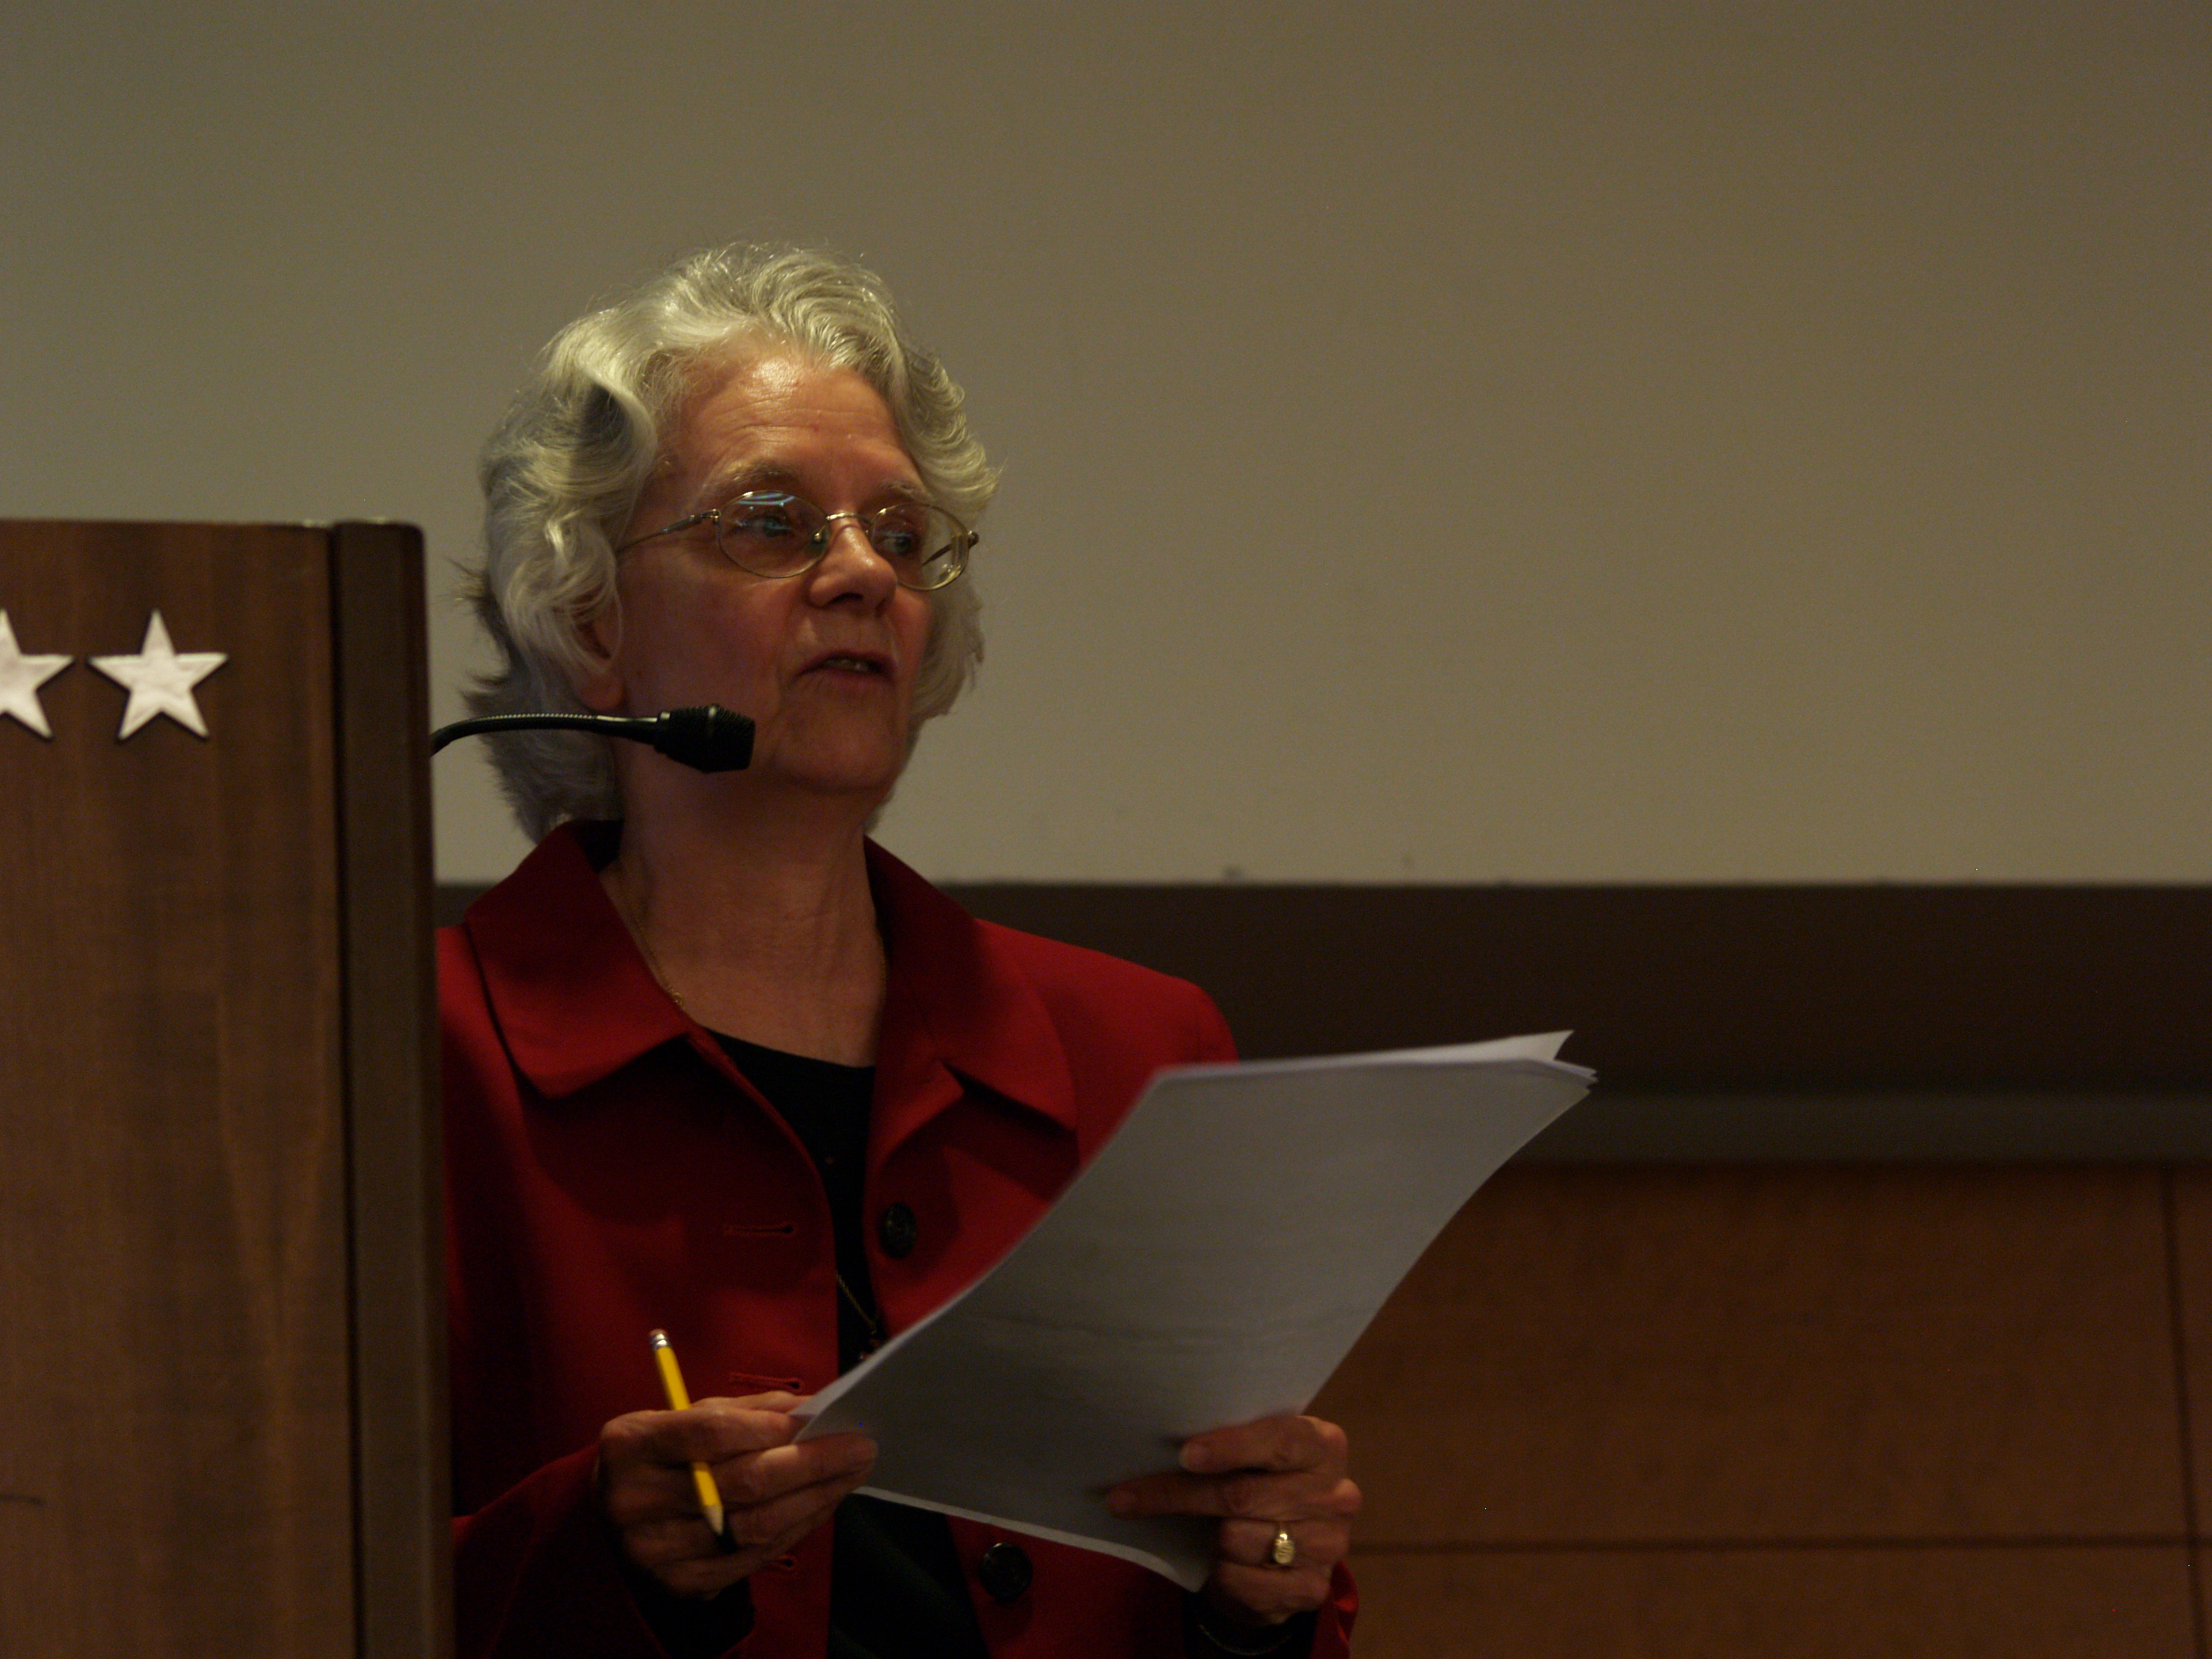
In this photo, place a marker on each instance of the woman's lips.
(861, 663)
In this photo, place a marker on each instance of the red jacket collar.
(574, 1000)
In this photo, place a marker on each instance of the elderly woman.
(716, 1063)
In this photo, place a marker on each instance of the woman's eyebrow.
(747, 477)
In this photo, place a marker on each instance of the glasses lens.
(772, 535)
(924, 544)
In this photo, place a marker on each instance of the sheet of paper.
(1213, 1264)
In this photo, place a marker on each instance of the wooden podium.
(222, 1376)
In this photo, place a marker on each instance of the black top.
(895, 1586)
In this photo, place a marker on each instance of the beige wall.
(1442, 443)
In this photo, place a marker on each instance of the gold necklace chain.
(634, 920)
(660, 974)
(869, 1322)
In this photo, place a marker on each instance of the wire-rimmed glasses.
(772, 534)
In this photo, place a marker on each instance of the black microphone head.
(707, 740)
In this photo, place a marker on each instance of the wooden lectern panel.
(191, 1379)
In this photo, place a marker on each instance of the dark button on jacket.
(1005, 1572)
(895, 1230)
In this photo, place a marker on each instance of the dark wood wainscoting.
(1714, 988)
(1813, 1022)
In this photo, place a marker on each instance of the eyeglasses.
(773, 535)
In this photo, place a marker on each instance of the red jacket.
(609, 1172)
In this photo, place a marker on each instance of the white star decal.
(20, 676)
(160, 679)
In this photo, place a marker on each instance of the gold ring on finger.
(1284, 1549)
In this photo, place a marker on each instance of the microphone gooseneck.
(709, 738)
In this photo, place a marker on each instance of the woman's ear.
(599, 682)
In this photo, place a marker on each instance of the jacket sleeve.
(535, 1572)
(1333, 1635)
(538, 1570)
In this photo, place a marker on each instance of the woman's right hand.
(773, 1491)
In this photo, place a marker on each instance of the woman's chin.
(867, 777)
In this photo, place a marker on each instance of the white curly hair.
(565, 468)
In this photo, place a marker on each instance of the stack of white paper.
(1213, 1264)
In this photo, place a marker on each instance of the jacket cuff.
(537, 1574)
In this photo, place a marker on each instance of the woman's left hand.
(1281, 1475)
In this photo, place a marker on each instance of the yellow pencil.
(680, 1400)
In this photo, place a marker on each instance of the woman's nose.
(851, 562)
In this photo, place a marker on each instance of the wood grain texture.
(2192, 1309)
(401, 1479)
(1779, 1355)
(2200, 1564)
(174, 1415)
(1826, 1603)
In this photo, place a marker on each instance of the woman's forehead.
(785, 408)
(781, 421)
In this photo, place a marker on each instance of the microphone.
(706, 739)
